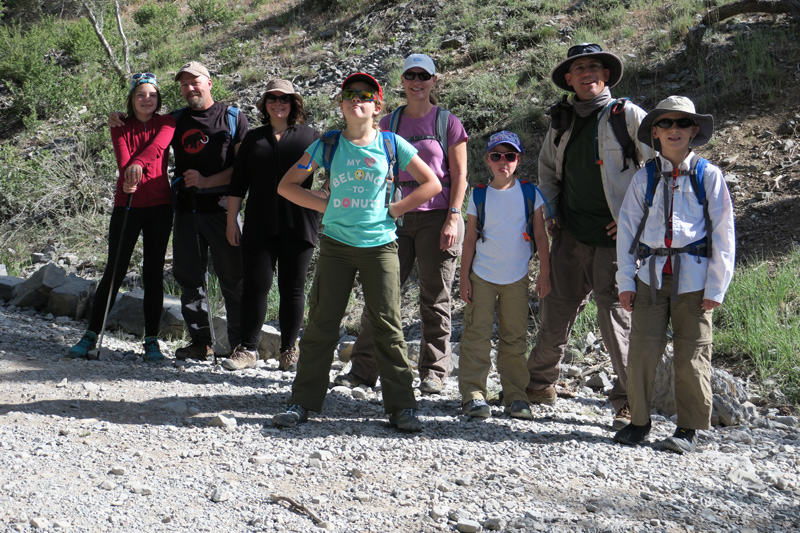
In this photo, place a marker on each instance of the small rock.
(221, 421)
(322, 455)
(220, 495)
(468, 526)
(38, 522)
(438, 512)
(601, 471)
(117, 470)
(107, 485)
(260, 459)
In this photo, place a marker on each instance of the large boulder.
(35, 291)
(7, 286)
(72, 298)
(269, 345)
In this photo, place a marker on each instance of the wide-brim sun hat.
(366, 78)
(280, 86)
(422, 61)
(584, 50)
(675, 104)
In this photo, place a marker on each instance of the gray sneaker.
(519, 409)
(431, 385)
(240, 358)
(683, 441)
(477, 409)
(406, 420)
(294, 415)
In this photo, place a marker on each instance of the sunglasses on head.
(284, 98)
(142, 75)
(585, 48)
(364, 96)
(495, 157)
(683, 123)
(411, 76)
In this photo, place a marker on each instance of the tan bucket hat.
(676, 104)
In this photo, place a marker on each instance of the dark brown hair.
(297, 113)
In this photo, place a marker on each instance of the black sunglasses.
(683, 123)
(411, 76)
(585, 48)
(284, 98)
(494, 157)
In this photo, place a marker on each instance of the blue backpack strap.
(696, 175)
(390, 149)
(329, 141)
(479, 198)
(394, 120)
(649, 193)
(177, 113)
(233, 113)
(442, 121)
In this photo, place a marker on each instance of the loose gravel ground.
(120, 445)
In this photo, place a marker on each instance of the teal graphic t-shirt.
(357, 213)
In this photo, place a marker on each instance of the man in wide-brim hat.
(587, 161)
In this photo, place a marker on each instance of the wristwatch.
(454, 210)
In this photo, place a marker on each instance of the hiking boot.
(287, 360)
(682, 441)
(152, 352)
(199, 351)
(294, 415)
(622, 418)
(546, 396)
(632, 435)
(349, 380)
(519, 409)
(477, 409)
(431, 385)
(81, 350)
(240, 358)
(406, 420)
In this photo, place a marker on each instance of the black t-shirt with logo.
(202, 142)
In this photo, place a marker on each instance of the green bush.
(209, 11)
(80, 42)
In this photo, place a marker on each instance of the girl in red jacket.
(140, 145)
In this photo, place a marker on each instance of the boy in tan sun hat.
(675, 247)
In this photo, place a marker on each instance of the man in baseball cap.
(587, 160)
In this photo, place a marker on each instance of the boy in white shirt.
(685, 251)
(494, 268)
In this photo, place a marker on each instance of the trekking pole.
(209, 314)
(111, 292)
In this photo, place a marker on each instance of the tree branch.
(125, 50)
(98, 29)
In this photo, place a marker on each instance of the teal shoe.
(81, 350)
(152, 353)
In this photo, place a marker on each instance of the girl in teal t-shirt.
(359, 238)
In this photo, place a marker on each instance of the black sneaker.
(294, 415)
(632, 435)
(349, 380)
(519, 409)
(196, 350)
(406, 420)
(477, 409)
(682, 441)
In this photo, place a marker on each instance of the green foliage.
(760, 320)
(210, 11)
(80, 42)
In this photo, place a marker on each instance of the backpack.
(561, 120)
(442, 120)
(529, 191)
(233, 113)
(699, 248)
(330, 142)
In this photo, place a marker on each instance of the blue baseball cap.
(505, 137)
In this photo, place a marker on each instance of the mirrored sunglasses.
(411, 76)
(495, 157)
(284, 98)
(683, 123)
(141, 75)
(364, 96)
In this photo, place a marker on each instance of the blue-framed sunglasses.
(143, 77)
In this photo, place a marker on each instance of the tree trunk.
(98, 29)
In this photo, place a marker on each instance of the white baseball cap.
(422, 61)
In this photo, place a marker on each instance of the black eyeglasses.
(411, 76)
(583, 48)
(683, 123)
(364, 96)
(284, 98)
(494, 157)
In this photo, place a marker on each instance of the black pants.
(155, 225)
(292, 257)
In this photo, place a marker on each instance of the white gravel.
(119, 445)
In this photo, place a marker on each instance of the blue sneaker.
(152, 353)
(81, 350)
(477, 409)
(294, 415)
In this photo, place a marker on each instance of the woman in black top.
(275, 230)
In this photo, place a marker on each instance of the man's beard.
(196, 102)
